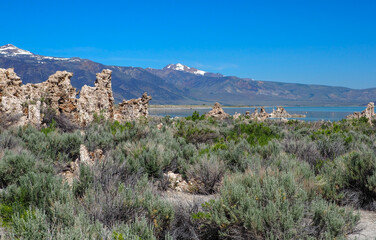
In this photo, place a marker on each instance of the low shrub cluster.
(270, 180)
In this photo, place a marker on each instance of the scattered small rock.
(159, 126)
(177, 183)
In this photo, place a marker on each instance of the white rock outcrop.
(369, 113)
(217, 112)
(30, 101)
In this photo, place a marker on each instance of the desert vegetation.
(246, 179)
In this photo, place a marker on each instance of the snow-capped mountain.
(181, 67)
(179, 84)
(10, 50)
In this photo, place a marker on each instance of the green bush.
(196, 132)
(39, 190)
(207, 173)
(266, 204)
(98, 136)
(9, 141)
(54, 146)
(196, 116)
(116, 127)
(13, 166)
(300, 171)
(84, 182)
(355, 172)
(138, 230)
(237, 156)
(50, 128)
(330, 221)
(32, 224)
(254, 133)
(160, 152)
(124, 203)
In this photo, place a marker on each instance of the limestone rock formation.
(369, 113)
(133, 109)
(177, 183)
(30, 101)
(217, 112)
(57, 92)
(280, 112)
(236, 115)
(263, 114)
(85, 155)
(160, 126)
(71, 172)
(97, 99)
(89, 158)
(11, 96)
(256, 115)
(72, 169)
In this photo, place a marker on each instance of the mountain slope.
(127, 82)
(234, 90)
(180, 84)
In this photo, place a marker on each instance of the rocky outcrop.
(71, 172)
(30, 101)
(176, 182)
(369, 113)
(280, 112)
(237, 115)
(262, 115)
(256, 115)
(72, 169)
(12, 96)
(97, 99)
(133, 109)
(217, 112)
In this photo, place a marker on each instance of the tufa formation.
(280, 112)
(262, 115)
(29, 102)
(133, 109)
(369, 113)
(217, 112)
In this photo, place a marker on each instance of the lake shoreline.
(241, 106)
(331, 113)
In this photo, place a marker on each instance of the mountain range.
(180, 84)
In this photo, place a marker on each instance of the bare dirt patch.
(366, 226)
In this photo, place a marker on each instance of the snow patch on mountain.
(181, 67)
(10, 50)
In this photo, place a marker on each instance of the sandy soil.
(367, 226)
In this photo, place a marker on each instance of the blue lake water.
(312, 113)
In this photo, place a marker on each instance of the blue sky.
(317, 42)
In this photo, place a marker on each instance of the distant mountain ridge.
(180, 84)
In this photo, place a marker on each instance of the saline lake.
(312, 113)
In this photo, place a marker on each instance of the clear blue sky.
(320, 42)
